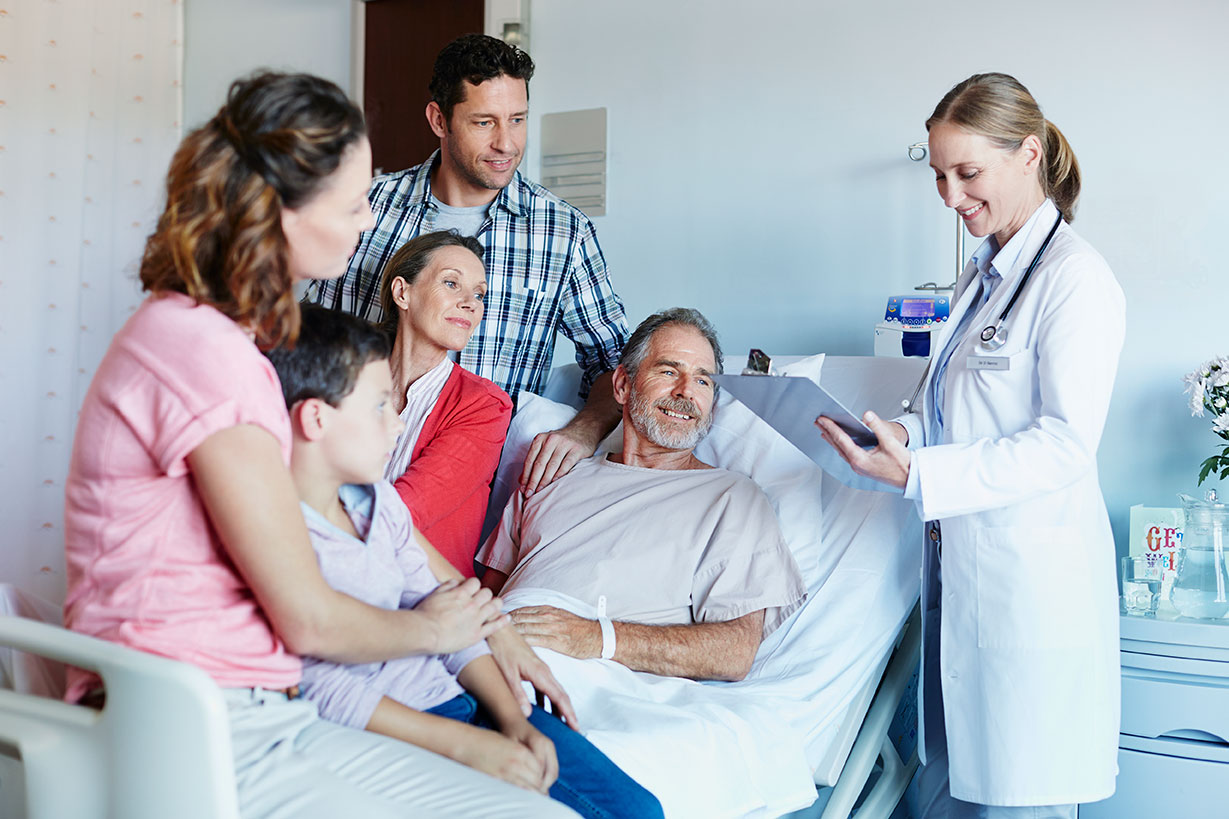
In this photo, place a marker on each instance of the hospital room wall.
(757, 171)
(226, 38)
(757, 164)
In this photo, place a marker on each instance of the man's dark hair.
(475, 58)
(332, 349)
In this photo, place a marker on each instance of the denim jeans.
(588, 782)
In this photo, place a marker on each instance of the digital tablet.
(790, 405)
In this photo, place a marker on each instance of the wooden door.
(402, 39)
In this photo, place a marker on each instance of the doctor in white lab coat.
(1020, 681)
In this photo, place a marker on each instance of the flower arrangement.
(1208, 388)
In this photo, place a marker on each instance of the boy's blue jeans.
(588, 782)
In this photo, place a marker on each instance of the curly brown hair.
(219, 239)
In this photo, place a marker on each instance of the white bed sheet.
(749, 748)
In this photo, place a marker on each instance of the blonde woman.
(1020, 674)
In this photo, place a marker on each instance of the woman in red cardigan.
(455, 422)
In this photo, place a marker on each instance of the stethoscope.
(994, 336)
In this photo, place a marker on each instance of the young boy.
(337, 383)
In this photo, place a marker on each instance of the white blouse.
(420, 399)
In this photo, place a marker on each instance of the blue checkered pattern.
(545, 275)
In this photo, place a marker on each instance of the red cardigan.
(448, 482)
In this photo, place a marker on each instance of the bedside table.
(1173, 748)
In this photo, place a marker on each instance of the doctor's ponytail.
(1062, 171)
(1000, 108)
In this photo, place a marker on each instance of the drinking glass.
(1141, 584)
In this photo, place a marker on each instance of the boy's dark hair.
(475, 58)
(332, 349)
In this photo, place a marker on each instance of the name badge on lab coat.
(989, 362)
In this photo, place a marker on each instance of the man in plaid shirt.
(545, 270)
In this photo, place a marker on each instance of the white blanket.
(703, 750)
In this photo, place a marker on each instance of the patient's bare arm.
(700, 651)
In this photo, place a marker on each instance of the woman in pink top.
(433, 291)
(184, 536)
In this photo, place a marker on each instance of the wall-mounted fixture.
(509, 21)
(574, 158)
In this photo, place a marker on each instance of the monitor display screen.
(917, 308)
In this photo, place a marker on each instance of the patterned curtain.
(90, 102)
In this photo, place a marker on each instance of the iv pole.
(917, 152)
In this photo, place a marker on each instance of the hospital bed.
(160, 748)
(813, 711)
(815, 708)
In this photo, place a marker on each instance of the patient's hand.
(559, 630)
(461, 613)
(517, 662)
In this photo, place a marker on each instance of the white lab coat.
(1029, 637)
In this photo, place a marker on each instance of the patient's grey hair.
(637, 347)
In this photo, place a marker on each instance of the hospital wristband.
(608, 637)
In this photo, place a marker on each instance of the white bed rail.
(874, 743)
(160, 747)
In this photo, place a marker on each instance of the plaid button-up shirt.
(545, 274)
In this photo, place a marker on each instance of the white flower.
(1192, 379)
(1220, 377)
(1219, 402)
(1195, 388)
(1221, 424)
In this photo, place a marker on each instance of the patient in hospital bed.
(337, 384)
(649, 556)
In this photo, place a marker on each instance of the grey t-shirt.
(466, 221)
(662, 546)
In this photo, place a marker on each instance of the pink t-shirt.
(145, 567)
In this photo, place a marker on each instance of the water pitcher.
(1201, 586)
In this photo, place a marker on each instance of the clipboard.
(790, 405)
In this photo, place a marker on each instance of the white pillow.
(739, 441)
(534, 414)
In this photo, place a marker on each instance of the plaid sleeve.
(593, 317)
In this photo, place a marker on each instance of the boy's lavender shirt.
(385, 568)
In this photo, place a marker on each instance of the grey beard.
(648, 424)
